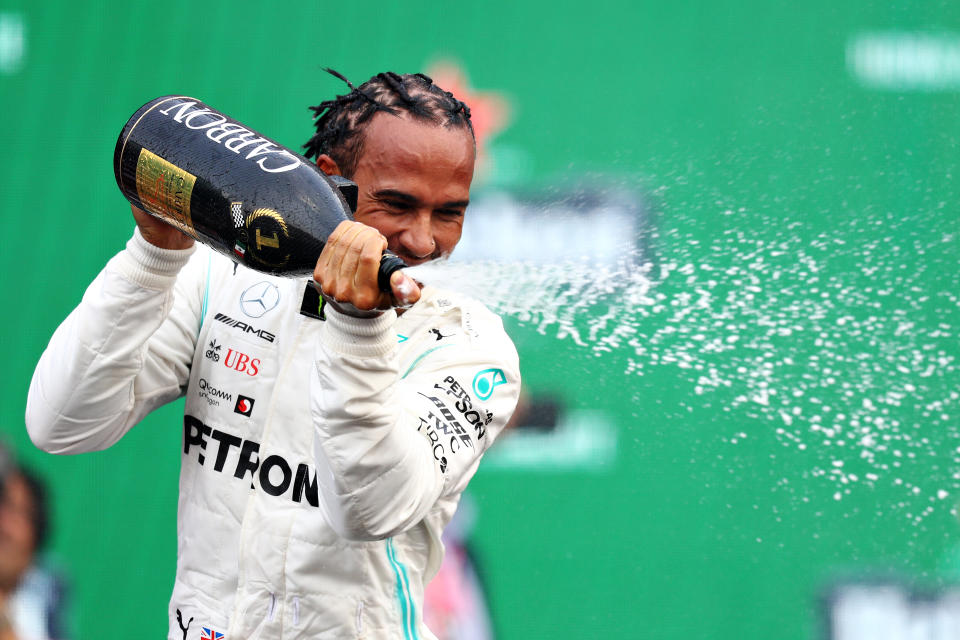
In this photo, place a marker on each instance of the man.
(321, 459)
(31, 598)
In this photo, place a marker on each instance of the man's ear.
(327, 164)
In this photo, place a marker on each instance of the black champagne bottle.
(233, 189)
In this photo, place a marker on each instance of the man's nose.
(417, 238)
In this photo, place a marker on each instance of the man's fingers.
(159, 233)
(351, 249)
(340, 245)
(367, 268)
(348, 266)
(329, 257)
(367, 250)
(328, 271)
(339, 231)
(405, 289)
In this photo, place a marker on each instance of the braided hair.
(340, 122)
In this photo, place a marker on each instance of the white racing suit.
(321, 459)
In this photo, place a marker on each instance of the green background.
(787, 408)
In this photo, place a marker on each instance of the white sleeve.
(125, 350)
(396, 444)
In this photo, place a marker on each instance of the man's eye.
(397, 204)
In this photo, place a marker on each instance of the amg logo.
(243, 326)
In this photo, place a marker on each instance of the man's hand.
(159, 233)
(348, 266)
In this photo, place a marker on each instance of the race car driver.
(324, 449)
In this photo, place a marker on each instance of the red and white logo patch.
(244, 406)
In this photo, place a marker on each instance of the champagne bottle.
(227, 186)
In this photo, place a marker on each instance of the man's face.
(17, 537)
(414, 181)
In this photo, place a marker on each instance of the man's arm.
(397, 442)
(120, 354)
(393, 443)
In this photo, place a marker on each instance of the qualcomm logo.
(259, 299)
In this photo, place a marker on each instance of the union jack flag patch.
(210, 634)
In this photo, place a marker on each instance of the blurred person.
(325, 443)
(31, 597)
(456, 605)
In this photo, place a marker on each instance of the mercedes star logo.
(259, 299)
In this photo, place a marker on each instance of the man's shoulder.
(478, 322)
(448, 302)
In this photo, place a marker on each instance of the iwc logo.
(260, 298)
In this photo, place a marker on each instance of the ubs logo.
(259, 298)
(241, 362)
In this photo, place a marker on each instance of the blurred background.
(741, 417)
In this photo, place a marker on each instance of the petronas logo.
(486, 381)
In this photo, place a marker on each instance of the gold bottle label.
(165, 190)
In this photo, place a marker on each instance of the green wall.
(785, 405)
